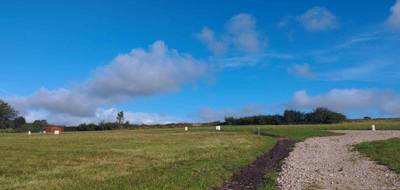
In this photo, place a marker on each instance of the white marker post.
(186, 128)
(373, 127)
(29, 133)
(56, 132)
(218, 128)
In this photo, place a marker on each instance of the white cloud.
(302, 70)
(107, 115)
(318, 19)
(143, 73)
(138, 73)
(207, 36)
(242, 30)
(350, 100)
(394, 19)
(240, 34)
(60, 101)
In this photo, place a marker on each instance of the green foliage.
(385, 152)
(19, 122)
(323, 115)
(39, 124)
(319, 115)
(6, 111)
(93, 127)
(270, 182)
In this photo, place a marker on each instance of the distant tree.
(229, 120)
(19, 122)
(6, 111)
(120, 118)
(41, 124)
(319, 115)
(293, 117)
(324, 115)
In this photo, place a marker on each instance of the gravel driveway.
(329, 163)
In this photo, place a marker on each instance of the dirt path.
(251, 177)
(329, 163)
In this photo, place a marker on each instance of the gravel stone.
(330, 163)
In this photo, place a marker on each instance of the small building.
(52, 128)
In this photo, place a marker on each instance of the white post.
(186, 129)
(29, 132)
(258, 131)
(373, 127)
(218, 128)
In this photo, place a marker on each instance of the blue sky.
(168, 61)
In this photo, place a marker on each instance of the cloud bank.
(240, 35)
(350, 100)
(138, 73)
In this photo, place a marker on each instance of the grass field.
(385, 152)
(135, 159)
(301, 132)
(145, 158)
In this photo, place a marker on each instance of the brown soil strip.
(251, 177)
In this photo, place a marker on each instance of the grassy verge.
(138, 159)
(301, 132)
(385, 152)
(270, 181)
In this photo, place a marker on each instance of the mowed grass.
(301, 132)
(385, 152)
(126, 159)
(147, 158)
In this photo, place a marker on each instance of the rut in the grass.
(251, 177)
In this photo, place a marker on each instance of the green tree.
(39, 124)
(293, 117)
(6, 111)
(324, 115)
(120, 118)
(19, 122)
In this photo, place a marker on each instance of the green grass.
(146, 158)
(135, 159)
(385, 152)
(301, 132)
(270, 182)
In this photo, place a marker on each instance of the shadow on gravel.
(251, 177)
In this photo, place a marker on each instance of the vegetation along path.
(331, 163)
(251, 177)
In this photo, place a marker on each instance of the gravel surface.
(330, 163)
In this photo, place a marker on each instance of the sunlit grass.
(135, 159)
(386, 152)
(147, 158)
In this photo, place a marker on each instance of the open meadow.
(145, 158)
(125, 159)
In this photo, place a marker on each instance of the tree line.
(11, 121)
(317, 116)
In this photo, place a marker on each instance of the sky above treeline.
(164, 61)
